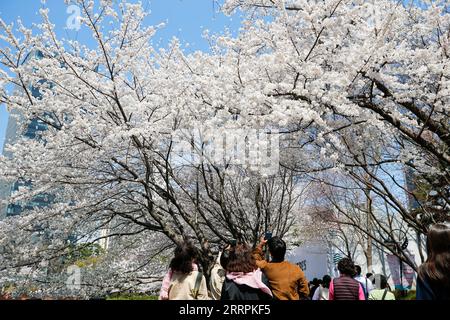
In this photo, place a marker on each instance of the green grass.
(410, 295)
(132, 296)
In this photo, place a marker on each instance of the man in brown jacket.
(287, 280)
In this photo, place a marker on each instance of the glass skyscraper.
(18, 127)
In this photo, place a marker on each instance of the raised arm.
(258, 254)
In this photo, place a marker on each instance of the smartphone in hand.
(267, 235)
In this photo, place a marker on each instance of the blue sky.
(185, 19)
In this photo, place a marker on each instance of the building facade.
(18, 127)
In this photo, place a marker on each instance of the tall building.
(18, 127)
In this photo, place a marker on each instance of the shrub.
(407, 295)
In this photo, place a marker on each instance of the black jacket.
(233, 291)
(426, 290)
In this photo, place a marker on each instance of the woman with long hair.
(184, 281)
(433, 281)
(243, 280)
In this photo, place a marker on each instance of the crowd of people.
(244, 273)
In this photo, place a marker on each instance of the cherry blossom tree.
(361, 83)
(346, 86)
(109, 158)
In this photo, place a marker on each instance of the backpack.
(384, 294)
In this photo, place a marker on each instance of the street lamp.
(398, 247)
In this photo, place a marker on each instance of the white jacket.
(182, 287)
